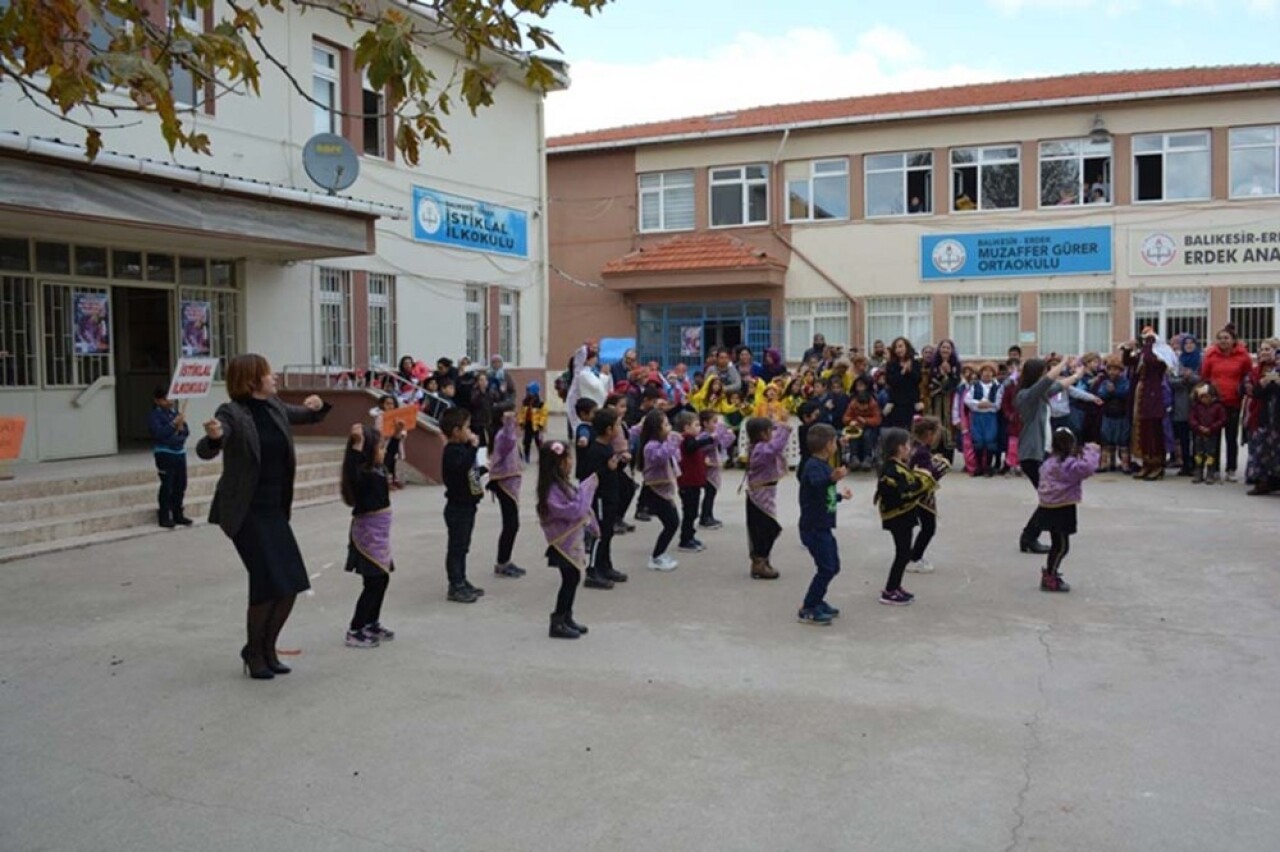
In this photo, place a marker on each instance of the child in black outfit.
(366, 489)
(603, 461)
(926, 433)
(462, 493)
(818, 500)
(810, 413)
(481, 405)
(583, 435)
(169, 433)
(898, 494)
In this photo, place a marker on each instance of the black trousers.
(172, 469)
(662, 509)
(600, 559)
(530, 438)
(1231, 434)
(1031, 469)
(393, 455)
(762, 531)
(901, 529)
(690, 498)
(709, 492)
(569, 578)
(1182, 431)
(510, 525)
(1059, 547)
(626, 493)
(460, 521)
(928, 526)
(369, 604)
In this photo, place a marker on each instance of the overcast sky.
(646, 60)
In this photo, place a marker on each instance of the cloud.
(1258, 8)
(803, 64)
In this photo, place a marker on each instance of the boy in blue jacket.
(169, 433)
(818, 499)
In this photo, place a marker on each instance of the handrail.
(82, 398)
(304, 376)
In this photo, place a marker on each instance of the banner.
(91, 313)
(393, 419)
(1016, 254)
(691, 341)
(1204, 251)
(193, 378)
(466, 223)
(11, 432)
(195, 329)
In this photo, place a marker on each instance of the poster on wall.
(195, 329)
(691, 341)
(91, 313)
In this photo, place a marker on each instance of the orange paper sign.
(11, 430)
(392, 420)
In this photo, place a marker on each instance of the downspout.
(543, 215)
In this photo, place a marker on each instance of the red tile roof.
(693, 252)
(950, 99)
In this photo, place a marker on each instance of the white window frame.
(803, 318)
(667, 184)
(904, 309)
(1095, 303)
(476, 305)
(745, 184)
(904, 169)
(331, 76)
(984, 305)
(380, 120)
(827, 170)
(509, 325)
(1254, 299)
(1166, 149)
(381, 290)
(1085, 149)
(191, 17)
(333, 309)
(1180, 301)
(1273, 146)
(984, 156)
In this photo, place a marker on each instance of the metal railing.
(374, 380)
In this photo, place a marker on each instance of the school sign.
(466, 223)
(1016, 254)
(1202, 251)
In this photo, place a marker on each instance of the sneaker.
(642, 516)
(711, 524)
(615, 576)
(508, 570)
(920, 566)
(1231, 476)
(361, 639)
(461, 594)
(663, 563)
(828, 609)
(475, 590)
(896, 598)
(594, 581)
(815, 617)
(379, 632)
(692, 546)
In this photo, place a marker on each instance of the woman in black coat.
(902, 372)
(254, 498)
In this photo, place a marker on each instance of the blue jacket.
(165, 437)
(818, 496)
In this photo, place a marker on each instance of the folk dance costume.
(717, 453)
(659, 492)
(984, 424)
(766, 466)
(899, 493)
(369, 544)
(567, 520)
(923, 460)
(505, 476)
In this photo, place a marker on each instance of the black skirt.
(269, 551)
(1059, 519)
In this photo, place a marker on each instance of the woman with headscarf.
(772, 366)
(1264, 420)
(1151, 365)
(502, 387)
(944, 379)
(1183, 382)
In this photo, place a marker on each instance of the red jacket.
(1207, 419)
(693, 461)
(1226, 372)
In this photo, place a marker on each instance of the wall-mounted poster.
(691, 341)
(91, 313)
(195, 329)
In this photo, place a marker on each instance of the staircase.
(48, 514)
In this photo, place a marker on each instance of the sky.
(648, 60)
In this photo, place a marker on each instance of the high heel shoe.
(255, 667)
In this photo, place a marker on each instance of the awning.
(697, 260)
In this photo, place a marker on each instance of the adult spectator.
(1264, 439)
(879, 355)
(724, 368)
(502, 387)
(772, 366)
(587, 382)
(629, 364)
(817, 350)
(902, 374)
(1150, 365)
(1225, 366)
(254, 498)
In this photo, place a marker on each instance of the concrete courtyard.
(1136, 713)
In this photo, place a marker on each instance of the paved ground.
(1138, 712)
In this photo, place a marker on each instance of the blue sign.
(1016, 254)
(452, 220)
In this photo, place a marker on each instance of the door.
(75, 406)
(143, 357)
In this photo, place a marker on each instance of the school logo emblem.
(949, 257)
(1159, 250)
(429, 217)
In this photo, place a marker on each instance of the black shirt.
(273, 446)
(461, 476)
(371, 490)
(594, 458)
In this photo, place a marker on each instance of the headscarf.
(1165, 353)
(1190, 360)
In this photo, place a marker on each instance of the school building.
(1062, 214)
(112, 269)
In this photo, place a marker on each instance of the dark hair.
(720, 350)
(683, 420)
(1064, 442)
(807, 408)
(386, 396)
(502, 408)
(161, 392)
(245, 374)
(605, 419)
(651, 392)
(584, 406)
(372, 440)
(551, 473)
(954, 360)
(893, 349)
(650, 426)
(453, 420)
(820, 435)
(925, 426)
(613, 399)
(758, 429)
(891, 440)
(707, 415)
(1015, 348)
(1032, 372)
(1230, 328)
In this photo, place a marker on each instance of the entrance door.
(143, 356)
(717, 333)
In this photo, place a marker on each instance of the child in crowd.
(926, 434)
(481, 407)
(983, 404)
(834, 400)
(462, 493)
(1112, 388)
(692, 479)
(658, 461)
(365, 490)
(602, 461)
(1208, 417)
(394, 444)
(862, 415)
(722, 443)
(1062, 477)
(623, 447)
(1010, 423)
(585, 409)
(564, 512)
(818, 500)
(770, 404)
(533, 419)
(810, 414)
(766, 465)
(169, 433)
(506, 472)
(898, 495)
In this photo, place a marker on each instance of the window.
(1074, 172)
(1255, 162)
(335, 318)
(188, 89)
(807, 317)
(101, 33)
(15, 252)
(984, 326)
(17, 332)
(508, 326)
(822, 192)
(1075, 323)
(890, 318)
(666, 201)
(1172, 312)
(1255, 312)
(63, 365)
(1171, 166)
(739, 196)
(985, 178)
(382, 332)
(324, 88)
(475, 315)
(374, 123)
(899, 184)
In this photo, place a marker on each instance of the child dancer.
(1208, 417)
(462, 493)
(898, 495)
(533, 418)
(1113, 389)
(622, 447)
(927, 433)
(603, 460)
(658, 459)
(692, 480)
(564, 511)
(983, 403)
(365, 489)
(766, 465)
(818, 499)
(1062, 477)
(506, 472)
(723, 441)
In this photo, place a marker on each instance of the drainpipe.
(543, 228)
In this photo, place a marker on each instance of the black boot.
(277, 615)
(181, 519)
(1029, 544)
(581, 628)
(255, 666)
(560, 628)
(595, 581)
(165, 519)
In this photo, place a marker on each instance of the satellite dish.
(330, 162)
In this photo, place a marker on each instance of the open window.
(985, 178)
(1074, 172)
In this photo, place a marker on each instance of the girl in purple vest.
(564, 511)
(766, 465)
(505, 475)
(1062, 476)
(658, 459)
(366, 489)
